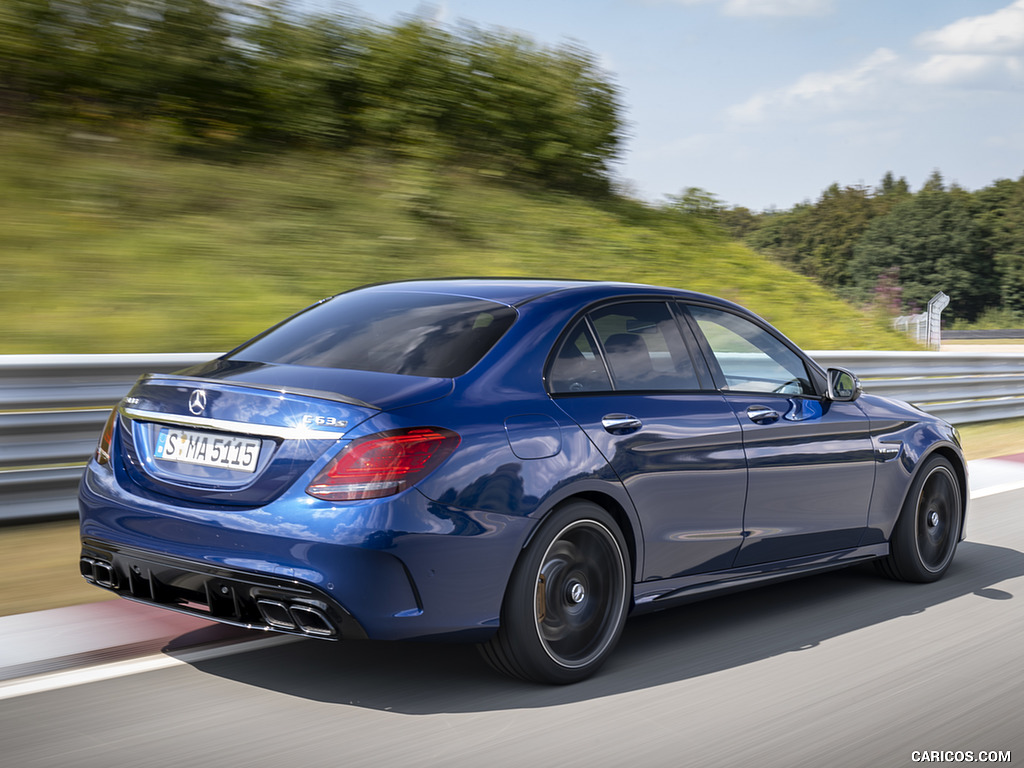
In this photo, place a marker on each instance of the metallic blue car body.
(705, 499)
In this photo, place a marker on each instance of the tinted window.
(642, 345)
(751, 359)
(578, 367)
(419, 334)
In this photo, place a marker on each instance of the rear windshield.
(418, 334)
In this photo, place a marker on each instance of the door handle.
(762, 414)
(621, 423)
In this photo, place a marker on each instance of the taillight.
(383, 464)
(103, 448)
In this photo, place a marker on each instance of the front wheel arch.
(960, 470)
(930, 524)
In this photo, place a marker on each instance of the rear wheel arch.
(567, 599)
(628, 526)
(622, 519)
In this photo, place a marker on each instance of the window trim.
(705, 373)
(815, 376)
(599, 350)
(578, 320)
(690, 348)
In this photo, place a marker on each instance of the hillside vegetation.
(178, 174)
(896, 248)
(113, 246)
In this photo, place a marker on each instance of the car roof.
(517, 291)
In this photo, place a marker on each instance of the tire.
(928, 529)
(566, 601)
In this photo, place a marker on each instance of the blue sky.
(767, 102)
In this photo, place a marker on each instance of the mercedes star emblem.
(197, 401)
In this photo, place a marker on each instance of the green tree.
(838, 220)
(888, 193)
(65, 60)
(544, 114)
(412, 85)
(231, 74)
(819, 239)
(697, 203)
(933, 240)
(999, 212)
(301, 73)
(1010, 268)
(194, 72)
(739, 222)
(30, 55)
(780, 234)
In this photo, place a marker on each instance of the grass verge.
(118, 248)
(991, 439)
(39, 568)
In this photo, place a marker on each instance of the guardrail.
(52, 407)
(961, 387)
(1009, 333)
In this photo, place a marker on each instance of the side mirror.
(843, 386)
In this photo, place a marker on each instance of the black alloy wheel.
(566, 601)
(928, 529)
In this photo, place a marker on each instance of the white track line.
(992, 490)
(51, 681)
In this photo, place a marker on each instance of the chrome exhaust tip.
(276, 614)
(312, 621)
(98, 572)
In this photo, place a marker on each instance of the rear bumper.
(230, 596)
(400, 568)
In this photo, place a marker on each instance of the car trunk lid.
(240, 434)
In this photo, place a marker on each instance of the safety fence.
(52, 407)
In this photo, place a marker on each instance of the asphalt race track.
(844, 669)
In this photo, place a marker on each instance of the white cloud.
(998, 32)
(778, 7)
(976, 51)
(973, 53)
(823, 91)
(769, 7)
(970, 70)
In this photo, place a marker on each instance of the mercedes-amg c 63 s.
(516, 463)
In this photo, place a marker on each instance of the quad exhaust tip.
(311, 621)
(296, 617)
(278, 614)
(98, 572)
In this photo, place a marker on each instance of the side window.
(577, 367)
(751, 359)
(643, 347)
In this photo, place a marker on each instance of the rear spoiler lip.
(317, 393)
(224, 425)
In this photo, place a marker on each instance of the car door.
(625, 375)
(810, 463)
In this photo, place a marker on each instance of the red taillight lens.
(383, 464)
(103, 448)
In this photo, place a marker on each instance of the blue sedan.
(516, 463)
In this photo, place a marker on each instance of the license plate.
(209, 449)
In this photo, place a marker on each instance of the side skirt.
(654, 595)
